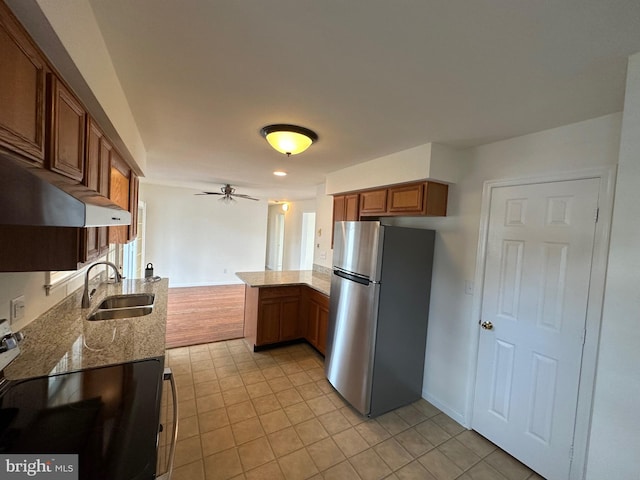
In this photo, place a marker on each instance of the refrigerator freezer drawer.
(351, 339)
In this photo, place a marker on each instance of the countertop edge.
(318, 281)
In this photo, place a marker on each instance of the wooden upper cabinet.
(351, 207)
(373, 202)
(96, 176)
(406, 199)
(92, 170)
(67, 119)
(120, 180)
(421, 198)
(22, 90)
(345, 208)
(436, 195)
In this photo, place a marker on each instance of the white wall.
(615, 432)
(322, 253)
(192, 238)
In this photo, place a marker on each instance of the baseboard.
(457, 416)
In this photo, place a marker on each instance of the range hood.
(33, 196)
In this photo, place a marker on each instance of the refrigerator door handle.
(354, 278)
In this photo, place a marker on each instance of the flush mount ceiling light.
(280, 173)
(288, 139)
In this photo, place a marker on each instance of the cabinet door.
(373, 202)
(22, 90)
(323, 325)
(290, 321)
(436, 199)
(269, 312)
(120, 177)
(338, 208)
(66, 131)
(312, 324)
(92, 180)
(351, 207)
(407, 199)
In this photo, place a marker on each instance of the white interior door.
(534, 305)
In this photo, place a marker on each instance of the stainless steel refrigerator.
(378, 312)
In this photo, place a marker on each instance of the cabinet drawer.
(274, 292)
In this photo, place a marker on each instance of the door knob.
(487, 325)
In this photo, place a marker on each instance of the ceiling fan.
(228, 194)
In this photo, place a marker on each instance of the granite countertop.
(271, 278)
(63, 340)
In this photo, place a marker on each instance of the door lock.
(487, 325)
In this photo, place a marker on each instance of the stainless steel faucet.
(86, 296)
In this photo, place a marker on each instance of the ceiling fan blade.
(244, 196)
(209, 193)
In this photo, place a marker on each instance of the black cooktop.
(108, 416)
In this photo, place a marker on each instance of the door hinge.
(597, 215)
(584, 336)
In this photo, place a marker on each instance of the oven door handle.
(168, 375)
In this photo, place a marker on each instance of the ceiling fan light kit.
(289, 139)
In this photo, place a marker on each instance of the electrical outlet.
(17, 307)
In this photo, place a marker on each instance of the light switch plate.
(17, 307)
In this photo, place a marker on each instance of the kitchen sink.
(124, 306)
(126, 301)
(117, 313)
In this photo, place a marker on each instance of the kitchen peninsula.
(286, 306)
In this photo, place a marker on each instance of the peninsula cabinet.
(271, 314)
(279, 314)
(315, 318)
(23, 72)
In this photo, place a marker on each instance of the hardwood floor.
(204, 314)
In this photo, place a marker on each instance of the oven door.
(108, 416)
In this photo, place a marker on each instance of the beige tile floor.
(272, 415)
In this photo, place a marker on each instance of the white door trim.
(594, 307)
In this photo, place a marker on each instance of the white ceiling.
(371, 77)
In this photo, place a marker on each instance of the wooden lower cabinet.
(316, 320)
(280, 314)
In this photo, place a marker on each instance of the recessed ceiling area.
(371, 77)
